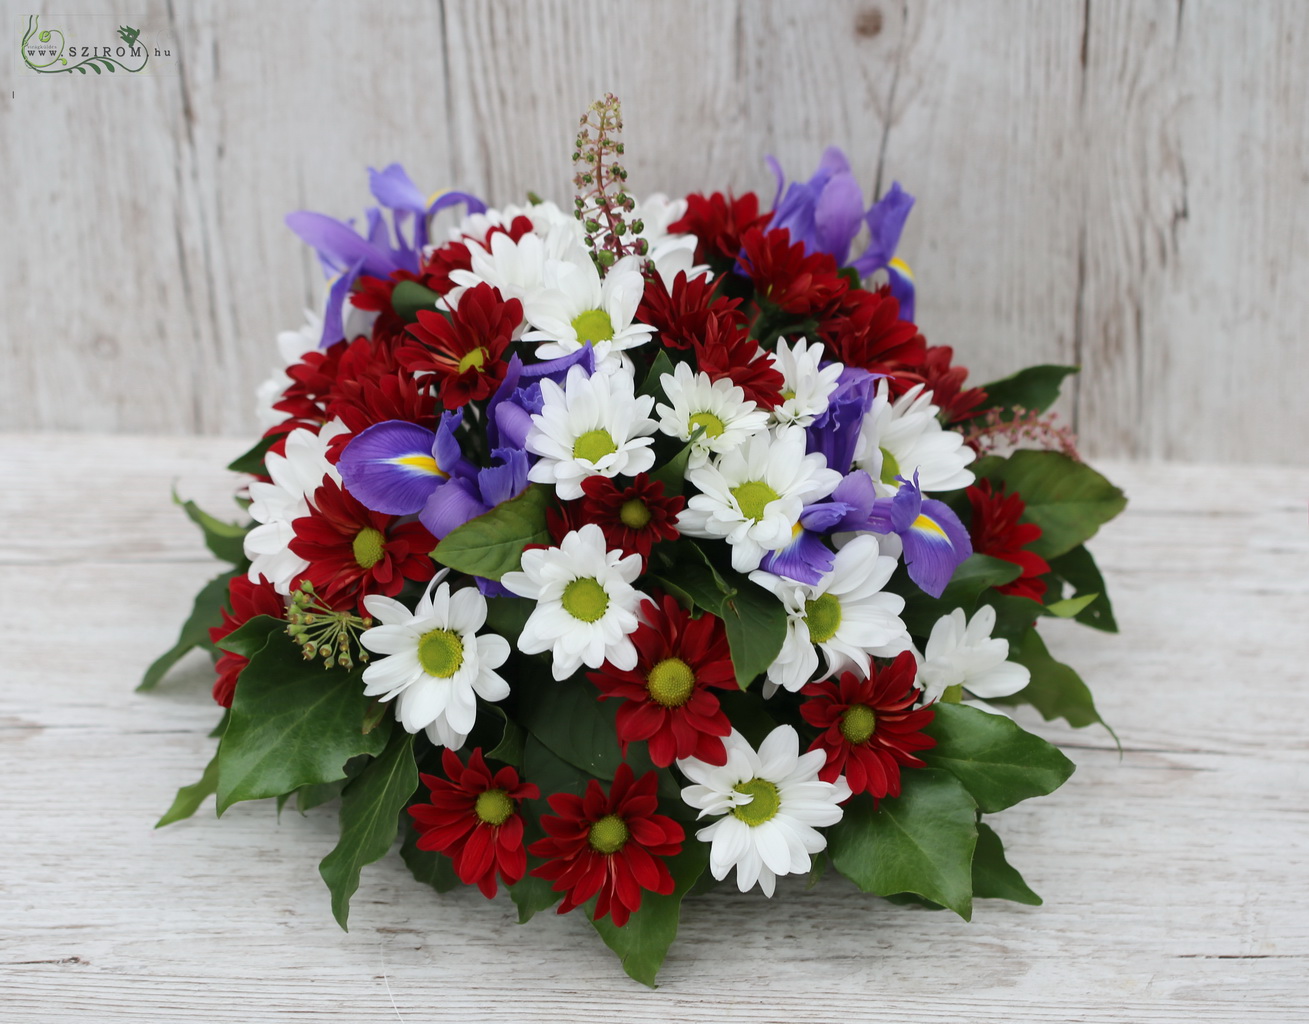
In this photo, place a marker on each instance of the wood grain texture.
(1176, 876)
(1111, 183)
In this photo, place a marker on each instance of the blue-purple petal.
(508, 480)
(340, 244)
(934, 546)
(806, 559)
(390, 467)
(394, 189)
(885, 219)
(451, 506)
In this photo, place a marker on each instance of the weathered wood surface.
(1176, 877)
(1117, 184)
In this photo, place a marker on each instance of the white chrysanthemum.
(291, 346)
(544, 216)
(847, 614)
(963, 653)
(435, 665)
(754, 494)
(771, 802)
(728, 418)
(574, 306)
(593, 426)
(586, 606)
(276, 505)
(516, 268)
(906, 436)
(807, 388)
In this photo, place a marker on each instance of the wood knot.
(868, 22)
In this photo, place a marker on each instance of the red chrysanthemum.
(632, 518)
(682, 315)
(935, 372)
(727, 352)
(473, 819)
(869, 726)
(783, 275)
(996, 531)
(456, 255)
(608, 845)
(353, 551)
(867, 332)
(465, 350)
(247, 601)
(666, 698)
(719, 222)
(346, 373)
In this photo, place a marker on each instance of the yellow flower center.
(671, 683)
(765, 805)
(608, 835)
(593, 325)
(494, 807)
(585, 599)
(823, 617)
(440, 652)
(475, 360)
(368, 547)
(594, 445)
(713, 426)
(858, 723)
(952, 695)
(752, 497)
(634, 514)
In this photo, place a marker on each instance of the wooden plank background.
(1121, 185)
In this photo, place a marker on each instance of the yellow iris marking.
(903, 267)
(442, 191)
(924, 525)
(421, 464)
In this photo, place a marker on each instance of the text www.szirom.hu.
(96, 51)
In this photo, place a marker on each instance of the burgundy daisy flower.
(870, 727)
(353, 551)
(996, 531)
(728, 352)
(473, 819)
(466, 351)
(799, 284)
(608, 845)
(666, 698)
(247, 600)
(682, 313)
(633, 518)
(719, 222)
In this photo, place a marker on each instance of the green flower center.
(823, 617)
(608, 835)
(634, 514)
(440, 652)
(890, 467)
(368, 547)
(593, 325)
(858, 723)
(585, 599)
(765, 805)
(713, 426)
(671, 683)
(494, 807)
(952, 695)
(475, 360)
(594, 445)
(752, 497)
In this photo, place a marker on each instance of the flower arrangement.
(608, 554)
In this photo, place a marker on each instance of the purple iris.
(935, 542)
(827, 211)
(518, 398)
(346, 254)
(836, 432)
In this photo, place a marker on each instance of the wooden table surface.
(1176, 876)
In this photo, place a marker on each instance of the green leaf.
(652, 385)
(252, 461)
(225, 540)
(568, 718)
(492, 544)
(1078, 569)
(251, 636)
(512, 737)
(974, 575)
(309, 797)
(672, 474)
(642, 943)
(1070, 607)
(189, 798)
(1055, 690)
(370, 819)
(921, 841)
(206, 612)
(1067, 499)
(293, 722)
(428, 866)
(552, 774)
(998, 762)
(993, 876)
(508, 615)
(1034, 389)
(531, 895)
(409, 297)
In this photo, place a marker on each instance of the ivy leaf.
(993, 876)
(293, 723)
(189, 798)
(642, 943)
(1034, 389)
(920, 842)
(252, 461)
(1067, 499)
(409, 297)
(492, 544)
(1055, 690)
(207, 611)
(428, 866)
(998, 762)
(225, 540)
(1078, 569)
(370, 809)
(974, 575)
